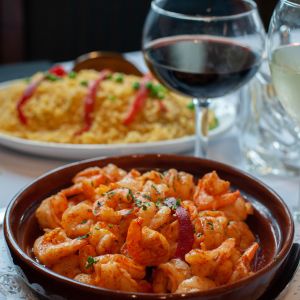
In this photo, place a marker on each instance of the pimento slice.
(186, 233)
(27, 94)
(90, 99)
(57, 70)
(139, 100)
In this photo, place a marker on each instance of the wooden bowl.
(271, 222)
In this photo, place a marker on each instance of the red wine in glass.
(201, 66)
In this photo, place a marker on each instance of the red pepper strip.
(27, 94)
(89, 101)
(139, 100)
(162, 106)
(186, 233)
(57, 70)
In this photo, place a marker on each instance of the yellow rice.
(56, 112)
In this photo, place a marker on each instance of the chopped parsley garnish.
(112, 98)
(172, 203)
(199, 234)
(83, 237)
(136, 85)
(90, 261)
(84, 221)
(156, 90)
(191, 106)
(72, 74)
(119, 78)
(84, 83)
(51, 77)
(146, 197)
(155, 188)
(211, 225)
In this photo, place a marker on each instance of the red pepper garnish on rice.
(27, 94)
(186, 233)
(58, 70)
(89, 101)
(139, 101)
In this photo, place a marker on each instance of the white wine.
(285, 69)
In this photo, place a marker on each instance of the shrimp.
(54, 245)
(85, 278)
(155, 191)
(83, 189)
(238, 211)
(103, 240)
(171, 233)
(85, 253)
(111, 276)
(205, 262)
(153, 176)
(195, 284)
(50, 211)
(132, 181)
(213, 193)
(168, 276)
(240, 231)
(181, 184)
(210, 225)
(146, 246)
(191, 208)
(77, 219)
(162, 217)
(243, 265)
(67, 266)
(135, 270)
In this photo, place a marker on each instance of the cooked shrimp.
(77, 219)
(181, 184)
(83, 188)
(210, 226)
(195, 284)
(85, 253)
(162, 217)
(155, 191)
(103, 240)
(205, 262)
(111, 276)
(132, 181)
(50, 211)
(135, 270)
(54, 245)
(243, 265)
(67, 266)
(168, 276)
(240, 231)
(153, 176)
(146, 246)
(85, 278)
(239, 210)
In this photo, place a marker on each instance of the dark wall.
(64, 29)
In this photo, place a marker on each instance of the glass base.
(263, 163)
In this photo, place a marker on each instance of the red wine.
(201, 66)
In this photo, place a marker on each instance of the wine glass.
(284, 60)
(204, 50)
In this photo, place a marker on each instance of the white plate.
(225, 112)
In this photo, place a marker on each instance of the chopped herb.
(136, 85)
(211, 225)
(72, 75)
(110, 194)
(156, 90)
(158, 204)
(155, 188)
(146, 196)
(112, 98)
(27, 79)
(96, 228)
(84, 222)
(90, 261)
(144, 207)
(84, 83)
(109, 76)
(129, 212)
(191, 106)
(51, 77)
(119, 78)
(110, 225)
(199, 234)
(83, 237)
(130, 195)
(99, 203)
(172, 203)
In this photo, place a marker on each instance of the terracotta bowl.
(271, 222)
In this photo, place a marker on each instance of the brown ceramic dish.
(271, 222)
(99, 60)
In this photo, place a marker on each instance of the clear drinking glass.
(204, 50)
(284, 59)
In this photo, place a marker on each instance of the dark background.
(59, 30)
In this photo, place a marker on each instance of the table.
(18, 169)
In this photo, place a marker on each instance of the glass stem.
(201, 127)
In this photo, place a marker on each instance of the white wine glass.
(284, 59)
(203, 49)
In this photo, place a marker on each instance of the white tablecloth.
(18, 169)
